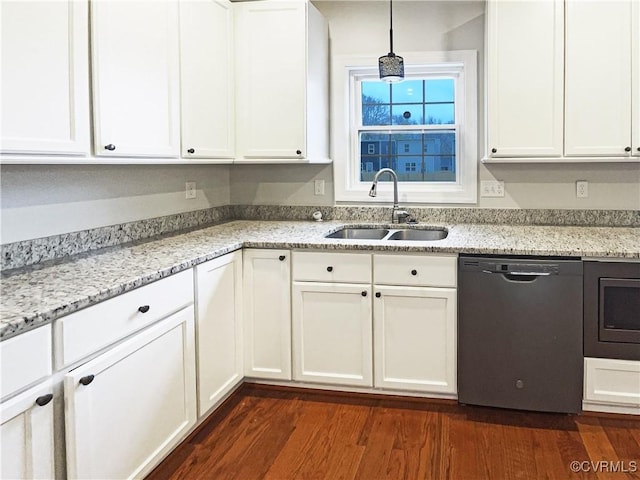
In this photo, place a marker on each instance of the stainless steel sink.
(411, 234)
(360, 233)
(418, 235)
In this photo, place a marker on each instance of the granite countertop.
(36, 295)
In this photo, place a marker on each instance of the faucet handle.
(402, 216)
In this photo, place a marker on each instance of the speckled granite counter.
(41, 293)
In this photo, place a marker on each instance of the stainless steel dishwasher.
(520, 333)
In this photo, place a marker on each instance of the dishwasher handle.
(524, 274)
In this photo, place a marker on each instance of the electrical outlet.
(491, 188)
(582, 189)
(318, 186)
(190, 190)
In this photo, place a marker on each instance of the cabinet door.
(206, 67)
(525, 78)
(218, 327)
(267, 314)
(135, 78)
(635, 79)
(271, 79)
(45, 77)
(332, 333)
(598, 78)
(415, 338)
(130, 406)
(26, 434)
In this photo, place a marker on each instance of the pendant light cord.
(391, 25)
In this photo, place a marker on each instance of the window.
(424, 128)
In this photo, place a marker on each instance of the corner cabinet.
(525, 77)
(219, 328)
(206, 74)
(45, 77)
(267, 313)
(135, 78)
(127, 408)
(282, 93)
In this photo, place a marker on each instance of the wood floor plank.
(282, 434)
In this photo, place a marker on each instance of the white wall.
(280, 184)
(38, 201)
(361, 27)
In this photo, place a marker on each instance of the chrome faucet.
(398, 216)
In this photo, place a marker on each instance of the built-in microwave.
(612, 310)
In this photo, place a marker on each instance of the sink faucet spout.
(398, 215)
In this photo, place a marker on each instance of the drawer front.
(25, 359)
(609, 381)
(87, 331)
(415, 270)
(331, 267)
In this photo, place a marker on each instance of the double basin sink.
(427, 234)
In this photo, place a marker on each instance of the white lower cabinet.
(332, 333)
(611, 385)
(219, 328)
(267, 314)
(26, 434)
(415, 338)
(127, 408)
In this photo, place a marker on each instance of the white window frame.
(461, 64)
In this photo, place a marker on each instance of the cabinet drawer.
(418, 270)
(87, 331)
(25, 359)
(615, 382)
(331, 267)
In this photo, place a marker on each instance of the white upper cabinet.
(635, 84)
(45, 77)
(206, 68)
(282, 82)
(135, 78)
(525, 74)
(598, 78)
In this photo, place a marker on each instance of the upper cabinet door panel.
(45, 77)
(206, 64)
(135, 78)
(598, 78)
(635, 94)
(271, 79)
(525, 78)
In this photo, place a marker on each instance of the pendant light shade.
(391, 65)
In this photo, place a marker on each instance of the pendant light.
(391, 65)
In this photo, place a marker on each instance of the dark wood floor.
(269, 433)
